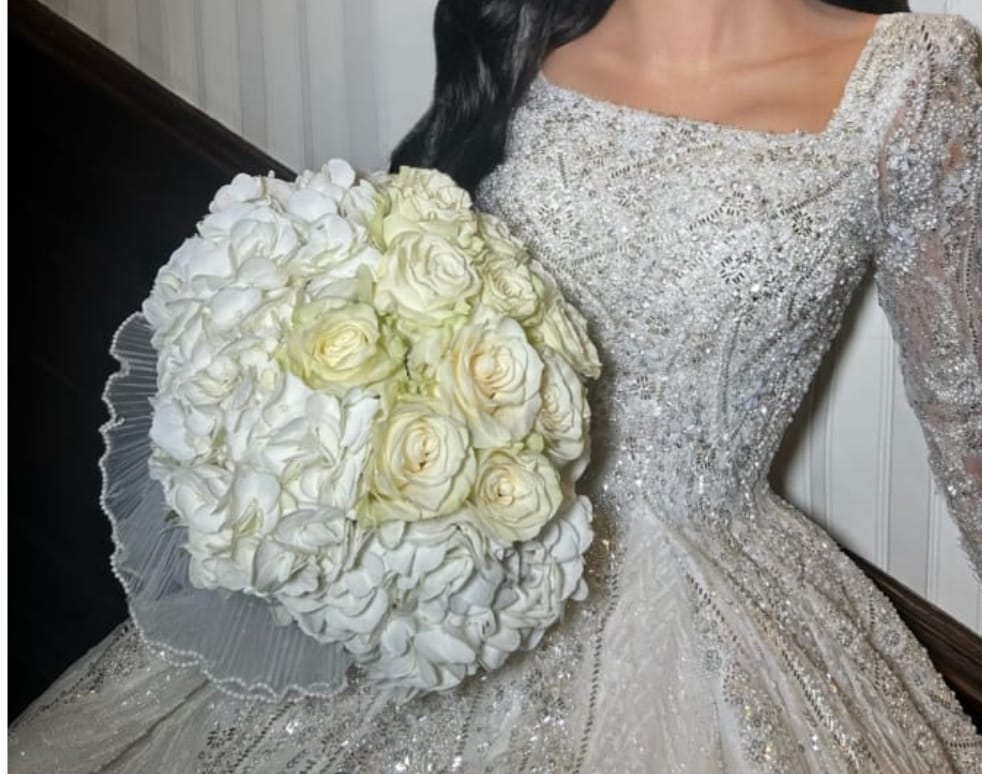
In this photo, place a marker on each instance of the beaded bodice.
(715, 263)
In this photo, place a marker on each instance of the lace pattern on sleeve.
(929, 263)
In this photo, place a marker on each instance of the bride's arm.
(929, 258)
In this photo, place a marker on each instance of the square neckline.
(851, 85)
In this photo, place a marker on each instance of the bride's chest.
(681, 221)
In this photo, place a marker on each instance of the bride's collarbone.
(798, 91)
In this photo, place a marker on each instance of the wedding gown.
(724, 630)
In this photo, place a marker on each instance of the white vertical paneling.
(933, 559)
(955, 588)
(285, 96)
(252, 71)
(819, 443)
(364, 148)
(87, 16)
(794, 469)
(406, 64)
(887, 374)
(910, 479)
(121, 31)
(308, 80)
(150, 38)
(854, 442)
(218, 55)
(178, 20)
(327, 131)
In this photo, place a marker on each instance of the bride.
(709, 182)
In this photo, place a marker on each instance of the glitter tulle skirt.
(750, 646)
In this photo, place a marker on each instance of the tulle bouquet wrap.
(368, 417)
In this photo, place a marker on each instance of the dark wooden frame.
(955, 650)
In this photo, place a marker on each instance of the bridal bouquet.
(370, 413)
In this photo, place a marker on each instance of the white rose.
(335, 346)
(422, 464)
(516, 494)
(430, 201)
(510, 288)
(565, 413)
(493, 374)
(499, 238)
(425, 279)
(565, 330)
(427, 194)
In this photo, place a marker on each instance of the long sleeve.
(928, 262)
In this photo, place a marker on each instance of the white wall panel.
(180, 41)
(310, 79)
(360, 55)
(285, 89)
(403, 35)
(85, 14)
(218, 55)
(250, 39)
(121, 28)
(327, 131)
(150, 38)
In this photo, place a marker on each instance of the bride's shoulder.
(924, 63)
(920, 38)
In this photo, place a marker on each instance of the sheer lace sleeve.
(929, 258)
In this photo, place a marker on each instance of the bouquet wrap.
(346, 434)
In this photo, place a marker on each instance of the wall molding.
(99, 66)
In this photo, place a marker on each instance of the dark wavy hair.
(487, 54)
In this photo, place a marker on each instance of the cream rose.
(430, 201)
(425, 279)
(422, 464)
(337, 346)
(565, 330)
(493, 374)
(565, 413)
(516, 493)
(510, 288)
(499, 238)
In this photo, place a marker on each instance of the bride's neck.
(691, 35)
